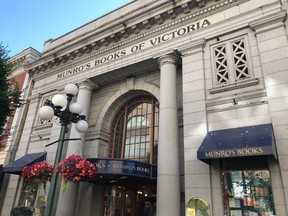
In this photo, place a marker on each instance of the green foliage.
(9, 91)
(21, 211)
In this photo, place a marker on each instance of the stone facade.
(175, 51)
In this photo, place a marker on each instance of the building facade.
(10, 141)
(19, 77)
(186, 102)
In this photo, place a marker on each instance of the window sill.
(236, 85)
(43, 126)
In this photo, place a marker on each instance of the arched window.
(135, 131)
(197, 207)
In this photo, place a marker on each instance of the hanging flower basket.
(75, 169)
(38, 173)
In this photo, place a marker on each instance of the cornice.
(171, 18)
(25, 57)
(268, 23)
(19, 62)
(192, 47)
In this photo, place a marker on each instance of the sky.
(29, 23)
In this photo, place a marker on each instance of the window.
(197, 206)
(33, 196)
(230, 61)
(247, 192)
(136, 122)
(135, 132)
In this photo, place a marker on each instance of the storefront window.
(34, 199)
(247, 193)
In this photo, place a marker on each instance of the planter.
(75, 169)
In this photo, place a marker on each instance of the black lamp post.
(70, 114)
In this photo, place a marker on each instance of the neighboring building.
(20, 77)
(187, 109)
(13, 126)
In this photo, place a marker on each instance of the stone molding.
(236, 85)
(167, 59)
(268, 23)
(150, 25)
(192, 47)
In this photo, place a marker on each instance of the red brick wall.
(20, 80)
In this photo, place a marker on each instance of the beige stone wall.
(264, 101)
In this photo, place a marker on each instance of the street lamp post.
(70, 114)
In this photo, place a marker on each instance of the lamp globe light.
(81, 126)
(71, 89)
(76, 108)
(46, 112)
(59, 101)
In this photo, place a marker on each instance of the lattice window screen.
(230, 61)
(240, 59)
(222, 71)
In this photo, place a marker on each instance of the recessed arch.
(120, 97)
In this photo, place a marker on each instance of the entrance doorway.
(129, 201)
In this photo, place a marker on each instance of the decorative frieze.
(185, 7)
(172, 14)
(148, 24)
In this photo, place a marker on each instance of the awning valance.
(123, 171)
(238, 142)
(16, 166)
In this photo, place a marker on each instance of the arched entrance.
(129, 174)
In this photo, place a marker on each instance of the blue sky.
(29, 23)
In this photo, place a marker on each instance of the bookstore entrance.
(130, 200)
(129, 186)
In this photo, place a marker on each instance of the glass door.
(128, 201)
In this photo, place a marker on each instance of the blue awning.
(114, 166)
(16, 166)
(238, 142)
(123, 171)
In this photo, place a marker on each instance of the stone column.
(168, 169)
(68, 200)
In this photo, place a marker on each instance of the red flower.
(74, 168)
(35, 175)
(41, 171)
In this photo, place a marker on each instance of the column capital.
(167, 59)
(88, 84)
